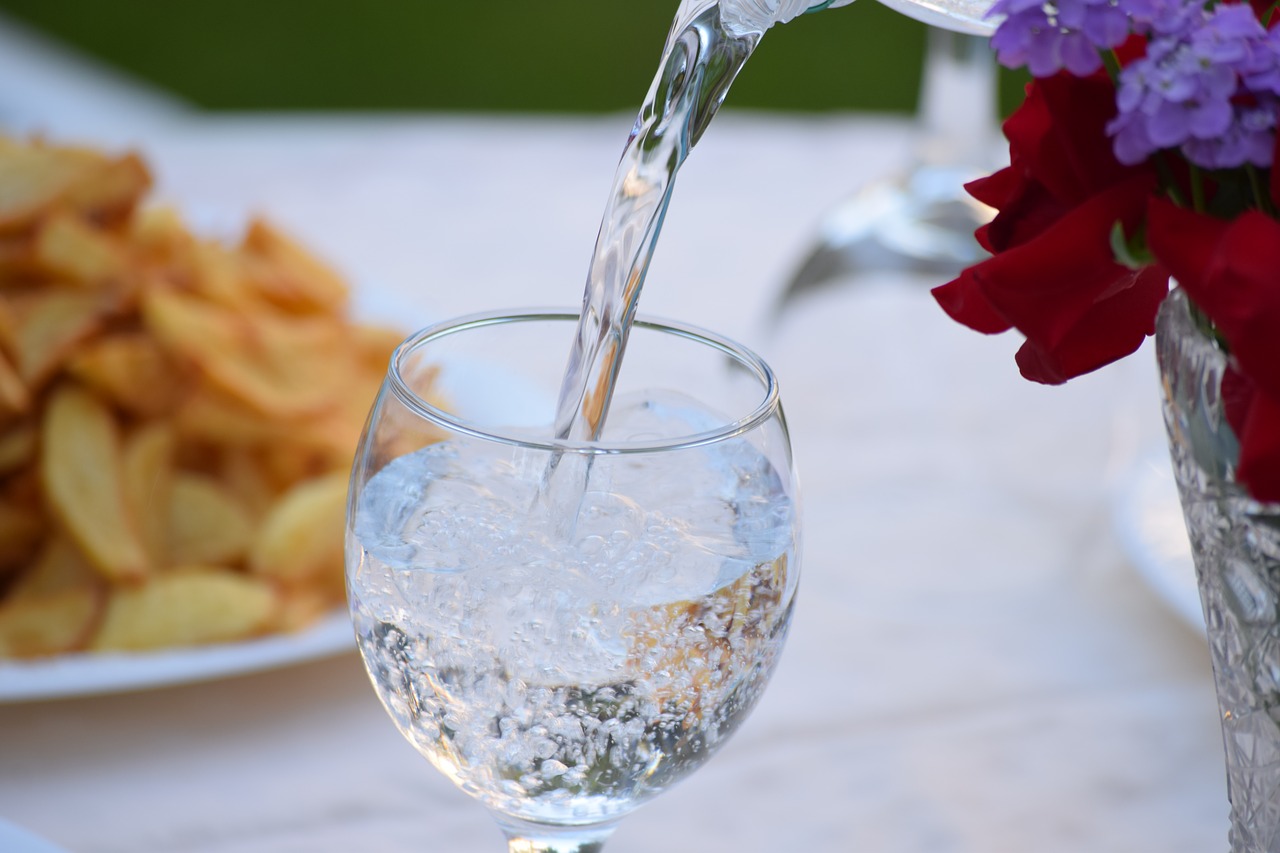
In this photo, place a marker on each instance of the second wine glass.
(919, 221)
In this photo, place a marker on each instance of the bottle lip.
(747, 18)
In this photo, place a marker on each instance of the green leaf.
(1130, 251)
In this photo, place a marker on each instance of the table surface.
(975, 666)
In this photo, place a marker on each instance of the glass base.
(525, 837)
(921, 224)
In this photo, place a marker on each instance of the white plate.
(15, 839)
(89, 674)
(1148, 520)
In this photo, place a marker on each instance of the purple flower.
(1164, 17)
(1249, 139)
(1049, 36)
(1231, 35)
(1265, 75)
(1185, 93)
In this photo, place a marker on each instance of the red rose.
(1255, 417)
(1231, 271)
(1053, 275)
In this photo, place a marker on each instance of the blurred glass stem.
(921, 220)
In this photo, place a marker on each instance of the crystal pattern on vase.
(1235, 542)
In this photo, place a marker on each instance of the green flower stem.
(1112, 63)
(1197, 188)
(1261, 196)
(1167, 182)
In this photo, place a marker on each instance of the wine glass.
(567, 628)
(920, 220)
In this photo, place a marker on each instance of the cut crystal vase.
(1235, 542)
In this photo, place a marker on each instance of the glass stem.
(541, 838)
(958, 100)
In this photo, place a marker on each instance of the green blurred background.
(499, 55)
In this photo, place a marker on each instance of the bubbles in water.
(597, 669)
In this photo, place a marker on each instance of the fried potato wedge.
(374, 346)
(49, 624)
(14, 397)
(290, 276)
(302, 536)
(148, 470)
(221, 276)
(243, 472)
(133, 371)
(21, 529)
(279, 369)
(17, 447)
(17, 262)
(82, 475)
(59, 566)
(34, 177)
(207, 525)
(187, 606)
(69, 248)
(111, 188)
(44, 329)
(159, 237)
(302, 605)
(211, 416)
(37, 177)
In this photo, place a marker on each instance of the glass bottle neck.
(744, 17)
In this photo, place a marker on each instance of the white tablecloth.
(975, 666)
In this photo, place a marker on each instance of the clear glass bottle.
(745, 17)
(958, 16)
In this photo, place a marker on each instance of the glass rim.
(767, 406)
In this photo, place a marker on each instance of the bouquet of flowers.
(1143, 151)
